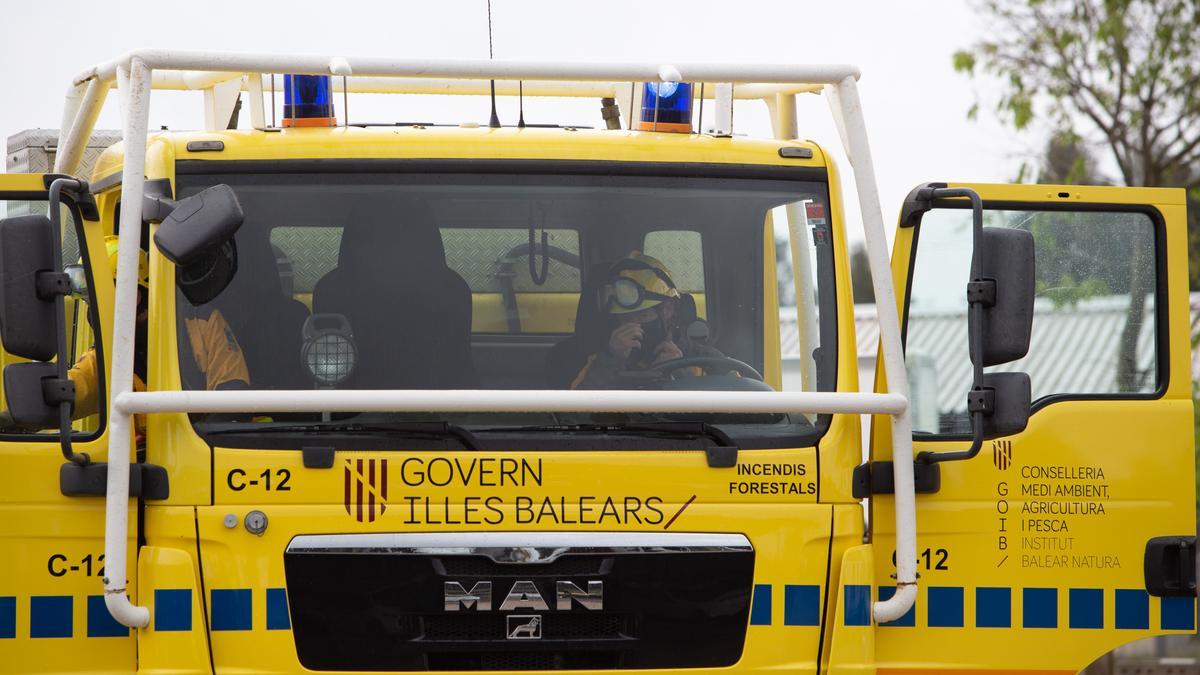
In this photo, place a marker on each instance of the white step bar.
(135, 73)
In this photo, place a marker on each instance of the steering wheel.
(721, 364)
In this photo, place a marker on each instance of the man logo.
(524, 627)
(1002, 454)
(524, 595)
(366, 489)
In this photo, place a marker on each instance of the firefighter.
(642, 305)
(215, 349)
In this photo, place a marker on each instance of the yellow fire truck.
(320, 395)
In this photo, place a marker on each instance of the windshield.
(503, 281)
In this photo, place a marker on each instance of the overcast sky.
(915, 104)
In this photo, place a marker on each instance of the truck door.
(52, 613)
(1033, 555)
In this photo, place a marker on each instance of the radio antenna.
(495, 121)
(520, 104)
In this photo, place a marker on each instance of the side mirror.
(999, 324)
(198, 237)
(30, 391)
(199, 224)
(1011, 397)
(1005, 288)
(32, 322)
(27, 317)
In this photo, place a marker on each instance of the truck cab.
(424, 398)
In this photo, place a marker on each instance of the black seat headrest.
(394, 236)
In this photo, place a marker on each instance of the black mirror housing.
(202, 280)
(199, 224)
(1007, 261)
(198, 237)
(1012, 394)
(24, 391)
(27, 320)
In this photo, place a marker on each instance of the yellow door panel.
(1031, 554)
(175, 641)
(852, 638)
(52, 613)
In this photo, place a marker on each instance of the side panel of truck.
(52, 613)
(1031, 554)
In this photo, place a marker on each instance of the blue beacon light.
(667, 106)
(308, 101)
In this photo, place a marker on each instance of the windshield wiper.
(721, 455)
(425, 429)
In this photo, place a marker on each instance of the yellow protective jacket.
(217, 352)
(214, 347)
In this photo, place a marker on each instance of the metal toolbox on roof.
(33, 150)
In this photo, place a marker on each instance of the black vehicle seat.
(568, 357)
(266, 322)
(410, 313)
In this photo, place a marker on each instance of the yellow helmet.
(110, 246)
(637, 282)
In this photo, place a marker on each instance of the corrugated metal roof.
(1073, 349)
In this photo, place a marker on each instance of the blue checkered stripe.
(801, 605)
(53, 616)
(944, 607)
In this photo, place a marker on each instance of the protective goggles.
(629, 294)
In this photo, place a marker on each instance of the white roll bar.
(197, 80)
(507, 401)
(135, 74)
(848, 108)
(135, 83)
(471, 69)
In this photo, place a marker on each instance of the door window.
(1095, 322)
(82, 345)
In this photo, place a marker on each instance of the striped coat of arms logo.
(1002, 454)
(366, 488)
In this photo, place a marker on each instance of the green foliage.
(1118, 76)
(1068, 290)
(964, 61)
(1083, 255)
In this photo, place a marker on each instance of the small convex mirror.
(78, 279)
(1012, 394)
(25, 395)
(1007, 258)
